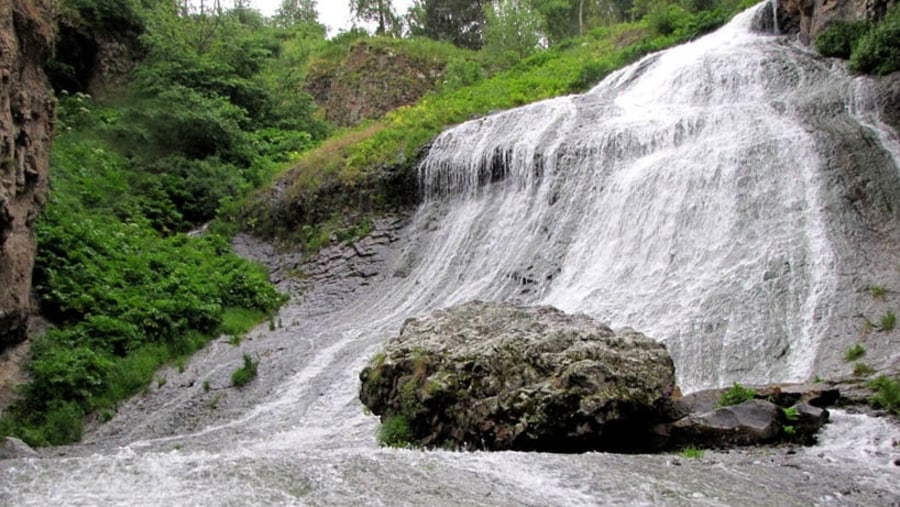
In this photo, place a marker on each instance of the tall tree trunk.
(581, 17)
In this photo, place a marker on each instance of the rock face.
(370, 82)
(13, 448)
(810, 17)
(497, 376)
(26, 130)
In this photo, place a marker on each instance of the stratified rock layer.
(497, 376)
(26, 130)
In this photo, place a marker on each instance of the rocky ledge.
(497, 377)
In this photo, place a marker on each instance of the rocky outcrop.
(26, 130)
(13, 448)
(372, 80)
(497, 376)
(810, 17)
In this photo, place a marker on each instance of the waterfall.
(731, 197)
(682, 196)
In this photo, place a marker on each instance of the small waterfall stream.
(699, 195)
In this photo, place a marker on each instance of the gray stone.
(749, 423)
(13, 448)
(498, 376)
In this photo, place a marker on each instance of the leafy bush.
(878, 51)
(841, 38)
(887, 394)
(736, 395)
(243, 375)
(395, 432)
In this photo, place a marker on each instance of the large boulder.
(498, 376)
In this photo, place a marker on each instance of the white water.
(683, 196)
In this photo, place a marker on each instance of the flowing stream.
(706, 195)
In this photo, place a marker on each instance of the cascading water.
(700, 195)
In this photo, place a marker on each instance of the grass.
(887, 394)
(692, 452)
(862, 370)
(877, 291)
(888, 321)
(243, 375)
(855, 352)
(238, 321)
(736, 395)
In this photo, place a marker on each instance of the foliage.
(841, 38)
(877, 291)
(692, 452)
(888, 321)
(247, 372)
(862, 370)
(791, 414)
(380, 11)
(512, 27)
(887, 394)
(395, 432)
(125, 299)
(855, 352)
(736, 395)
(347, 172)
(878, 51)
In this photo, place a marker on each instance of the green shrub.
(878, 51)
(736, 395)
(840, 38)
(243, 375)
(395, 432)
(855, 352)
(692, 452)
(887, 394)
(791, 414)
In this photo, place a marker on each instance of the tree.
(512, 26)
(294, 12)
(458, 21)
(380, 11)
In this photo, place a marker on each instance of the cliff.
(373, 79)
(810, 17)
(26, 132)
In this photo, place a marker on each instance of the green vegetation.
(878, 51)
(841, 38)
(855, 352)
(395, 432)
(888, 321)
(736, 395)
(887, 394)
(126, 294)
(243, 375)
(347, 172)
(862, 370)
(692, 452)
(877, 291)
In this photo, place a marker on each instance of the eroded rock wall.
(26, 132)
(813, 16)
